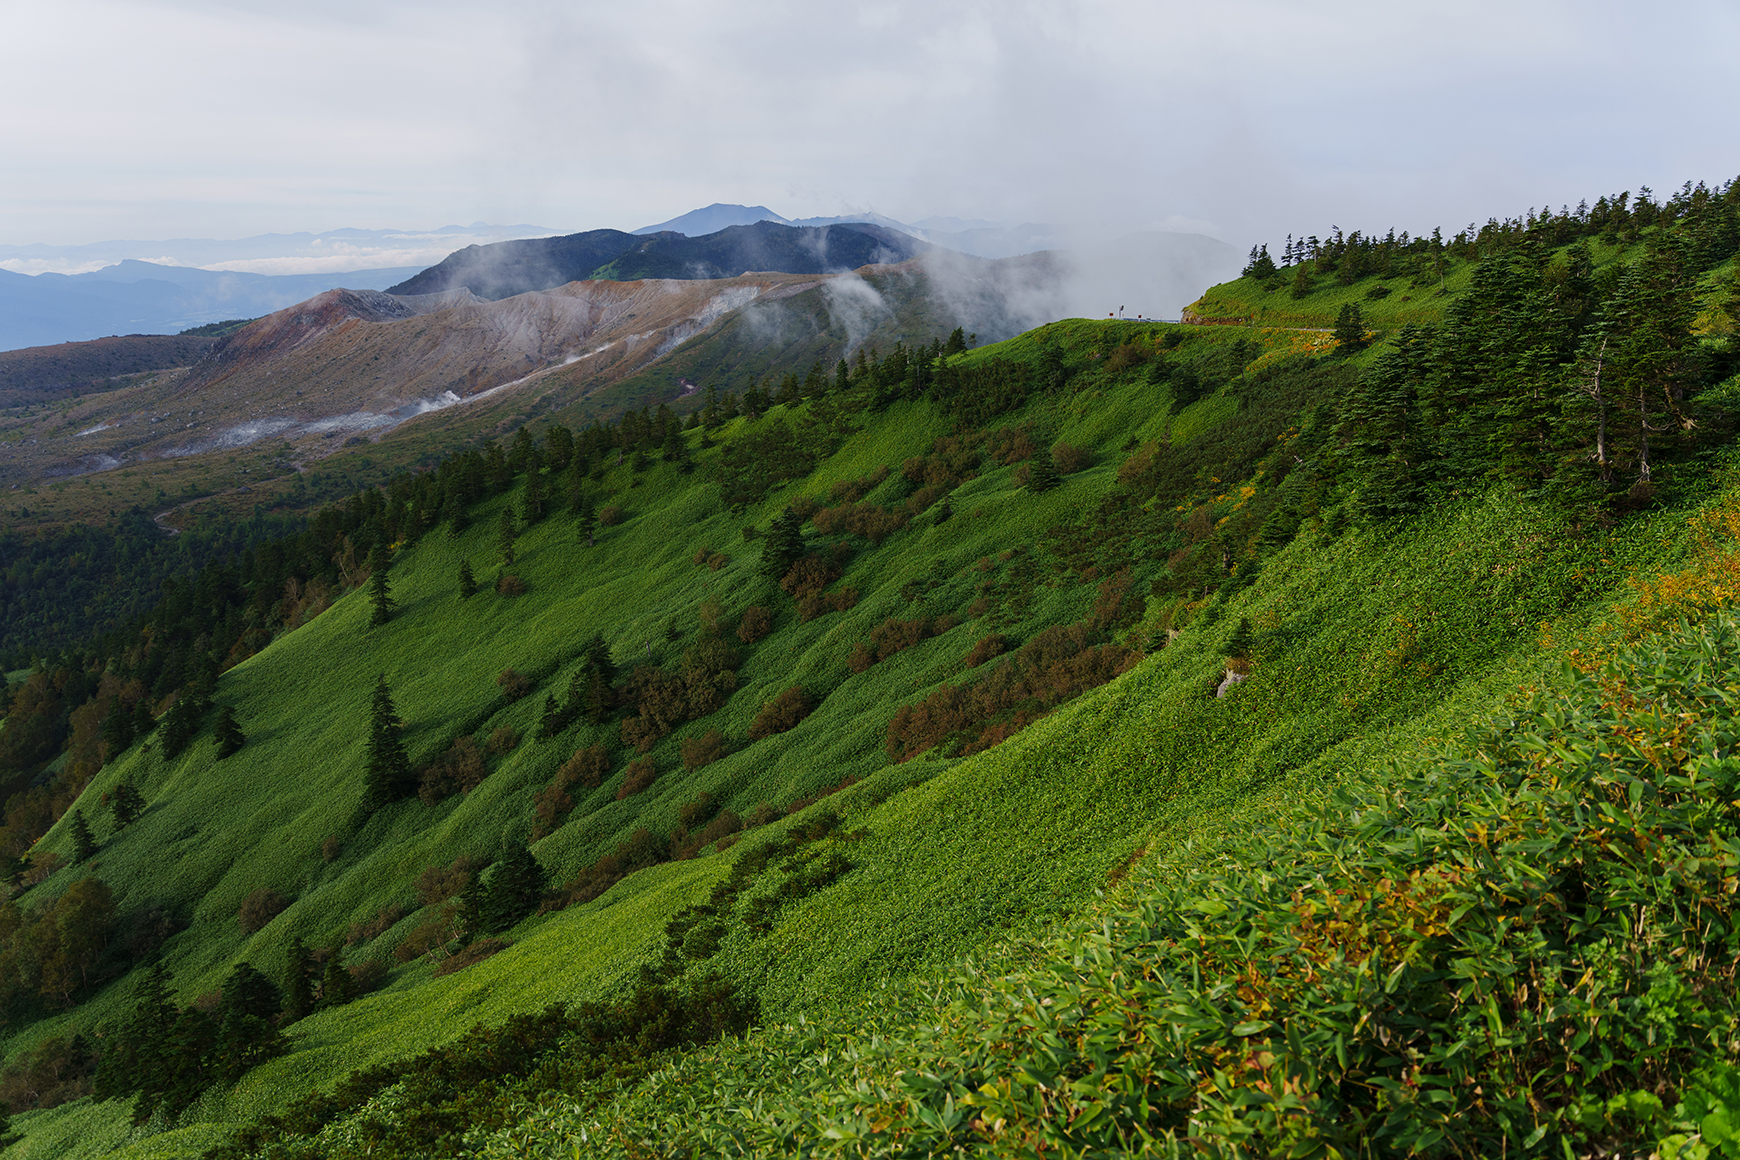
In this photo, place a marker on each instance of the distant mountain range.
(63, 301)
(508, 268)
(134, 297)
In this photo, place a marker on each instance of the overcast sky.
(1244, 119)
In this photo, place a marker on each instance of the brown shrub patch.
(780, 714)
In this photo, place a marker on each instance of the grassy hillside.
(1241, 603)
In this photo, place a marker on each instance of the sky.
(1244, 119)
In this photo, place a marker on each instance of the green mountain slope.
(1018, 715)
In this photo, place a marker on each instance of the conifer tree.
(84, 846)
(336, 986)
(227, 735)
(298, 988)
(246, 1032)
(387, 776)
(380, 596)
(117, 730)
(1349, 329)
(1041, 470)
(783, 545)
(143, 721)
(516, 888)
(181, 723)
(587, 521)
(504, 537)
(467, 582)
(126, 804)
(136, 1052)
(550, 723)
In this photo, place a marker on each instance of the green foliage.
(227, 735)
(387, 775)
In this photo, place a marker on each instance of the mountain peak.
(710, 220)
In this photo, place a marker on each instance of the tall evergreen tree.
(84, 846)
(117, 730)
(1349, 329)
(181, 724)
(227, 735)
(587, 521)
(387, 777)
(550, 722)
(298, 988)
(505, 534)
(1041, 470)
(126, 804)
(467, 582)
(380, 595)
(783, 545)
(516, 888)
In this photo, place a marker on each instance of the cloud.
(1246, 119)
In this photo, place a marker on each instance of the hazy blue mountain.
(134, 297)
(710, 220)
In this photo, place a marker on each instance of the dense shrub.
(473, 953)
(780, 714)
(988, 648)
(260, 908)
(436, 884)
(1070, 459)
(610, 516)
(756, 623)
(512, 684)
(703, 750)
(460, 770)
(639, 776)
(1056, 665)
(384, 920)
(507, 584)
(503, 739)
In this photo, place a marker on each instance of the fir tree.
(550, 723)
(783, 545)
(516, 888)
(247, 1033)
(380, 596)
(298, 988)
(143, 721)
(504, 537)
(227, 735)
(467, 582)
(84, 846)
(587, 521)
(181, 724)
(1349, 329)
(117, 730)
(1041, 471)
(387, 776)
(126, 804)
(336, 986)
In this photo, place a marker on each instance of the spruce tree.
(126, 804)
(336, 986)
(380, 596)
(84, 846)
(143, 721)
(181, 724)
(298, 988)
(387, 776)
(1041, 471)
(504, 537)
(587, 521)
(550, 721)
(1349, 329)
(117, 730)
(227, 735)
(783, 545)
(467, 581)
(1238, 646)
(516, 888)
